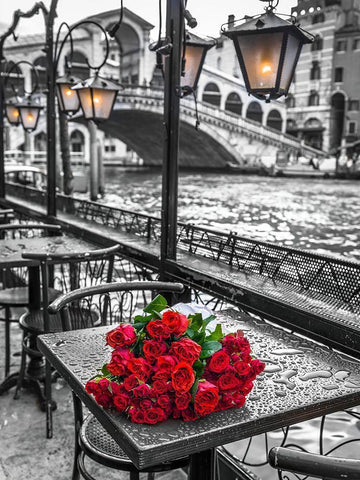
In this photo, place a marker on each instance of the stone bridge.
(224, 138)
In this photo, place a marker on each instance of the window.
(290, 101)
(318, 18)
(341, 46)
(356, 44)
(315, 71)
(339, 74)
(354, 105)
(313, 99)
(317, 44)
(352, 128)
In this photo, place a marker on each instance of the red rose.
(142, 390)
(121, 402)
(188, 415)
(175, 322)
(242, 368)
(104, 384)
(182, 401)
(117, 369)
(154, 415)
(117, 388)
(145, 403)
(228, 382)
(104, 399)
(136, 415)
(153, 349)
(93, 387)
(206, 398)
(131, 382)
(246, 389)
(182, 378)
(257, 366)
(159, 387)
(219, 361)
(123, 334)
(164, 402)
(140, 368)
(167, 363)
(186, 350)
(161, 375)
(157, 329)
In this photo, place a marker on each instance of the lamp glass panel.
(292, 48)
(86, 102)
(13, 114)
(261, 54)
(99, 104)
(29, 117)
(193, 57)
(68, 98)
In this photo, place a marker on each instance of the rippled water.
(317, 214)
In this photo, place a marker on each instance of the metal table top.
(302, 380)
(11, 250)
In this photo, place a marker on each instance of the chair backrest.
(115, 302)
(28, 230)
(68, 272)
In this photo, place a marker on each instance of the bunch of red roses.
(168, 365)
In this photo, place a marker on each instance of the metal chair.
(318, 466)
(64, 272)
(14, 295)
(91, 439)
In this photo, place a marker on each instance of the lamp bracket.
(165, 49)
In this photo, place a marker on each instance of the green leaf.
(194, 389)
(190, 332)
(158, 304)
(217, 334)
(142, 318)
(209, 348)
(199, 368)
(199, 338)
(196, 321)
(105, 371)
(138, 326)
(207, 321)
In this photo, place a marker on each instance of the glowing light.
(69, 92)
(15, 113)
(30, 117)
(266, 69)
(96, 100)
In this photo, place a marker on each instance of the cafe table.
(11, 251)
(302, 380)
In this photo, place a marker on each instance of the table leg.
(34, 288)
(203, 465)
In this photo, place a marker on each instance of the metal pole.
(174, 35)
(2, 145)
(51, 112)
(94, 166)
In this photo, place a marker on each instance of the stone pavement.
(25, 453)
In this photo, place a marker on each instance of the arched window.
(313, 133)
(291, 127)
(77, 141)
(313, 99)
(41, 67)
(79, 66)
(212, 94)
(290, 101)
(234, 103)
(274, 120)
(317, 43)
(315, 72)
(254, 112)
(14, 85)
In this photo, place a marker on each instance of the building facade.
(323, 104)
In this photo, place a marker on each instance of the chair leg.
(151, 476)
(48, 400)
(134, 476)
(78, 420)
(7, 341)
(22, 369)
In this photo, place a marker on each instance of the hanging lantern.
(29, 114)
(195, 53)
(268, 49)
(97, 97)
(68, 98)
(12, 113)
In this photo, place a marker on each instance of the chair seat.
(101, 447)
(33, 321)
(19, 296)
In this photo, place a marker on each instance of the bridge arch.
(274, 120)
(211, 94)
(254, 112)
(234, 103)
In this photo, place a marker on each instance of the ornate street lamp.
(268, 48)
(95, 95)
(29, 112)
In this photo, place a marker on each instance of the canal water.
(313, 214)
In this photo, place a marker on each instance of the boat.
(36, 177)
(305, 167)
